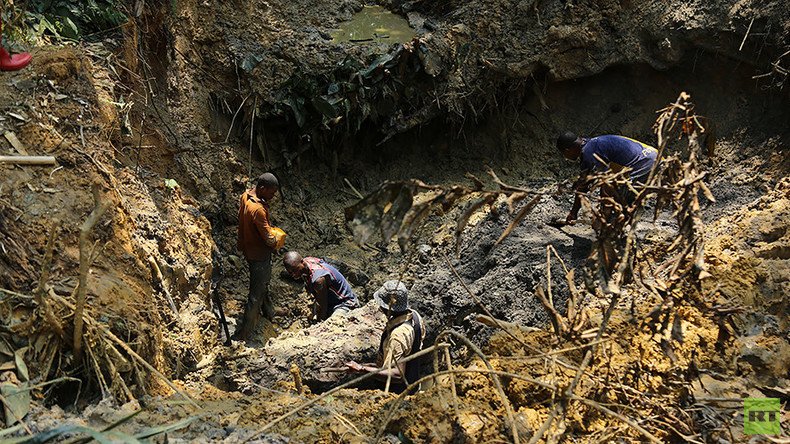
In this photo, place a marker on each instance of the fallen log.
(28, 160)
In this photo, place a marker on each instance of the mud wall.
(252, 86)
(472, 59)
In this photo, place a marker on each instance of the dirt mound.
(325, 345)
(750, 252)
(64, 106)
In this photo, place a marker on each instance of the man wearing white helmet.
(403, 336)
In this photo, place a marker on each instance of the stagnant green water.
(374, 24)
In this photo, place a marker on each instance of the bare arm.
(580, 186)
(321, 288)
(396, 372)
(392, 366)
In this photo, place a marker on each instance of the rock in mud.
(327, 344)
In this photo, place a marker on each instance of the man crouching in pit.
(402, 337)
(333, 295)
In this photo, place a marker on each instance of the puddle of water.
(374, 24)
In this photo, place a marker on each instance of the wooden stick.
(488, 372)
(234, 118)
(494, 378)
(28, 160)
(358, 194)
(157, 273)
(98, 210)
(54, 322)
(452, 382)
(484, 308)
(499, 323)
(627, 421)
(746, 35)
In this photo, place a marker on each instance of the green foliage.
(71, 19)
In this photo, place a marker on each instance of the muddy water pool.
(374, 24)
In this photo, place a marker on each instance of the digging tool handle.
(217, 275)
(28, 160)
(223, 321)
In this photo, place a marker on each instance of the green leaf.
(329, 107)
(21, 367)
(297, 106)
(171, 183)
(250, 62)
(17, 401)
(70, 30)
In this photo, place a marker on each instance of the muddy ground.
(232, 91)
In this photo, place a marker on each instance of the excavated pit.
(469, 95)
(503, 277)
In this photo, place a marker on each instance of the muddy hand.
(354, 366)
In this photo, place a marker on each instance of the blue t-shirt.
(617, 152)
(339, 292)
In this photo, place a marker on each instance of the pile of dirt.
(151, 256)
(315, 351)
(750, 255)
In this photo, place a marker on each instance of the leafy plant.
(71, 19)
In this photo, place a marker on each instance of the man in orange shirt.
(257, 241)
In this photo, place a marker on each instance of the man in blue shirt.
(603, 153)
(331, 290)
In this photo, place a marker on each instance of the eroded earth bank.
(159, 125)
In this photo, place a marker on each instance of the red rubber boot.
(14, 62)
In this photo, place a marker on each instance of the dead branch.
(484, 308)
(236, 114)
(43, 304)
(556, 320)
(100, 206)
(157, 272)
(498, 323)
(493, 373)
(452, 381)
(494, 378)
(110, 338)
(518, 218)
(622, 418)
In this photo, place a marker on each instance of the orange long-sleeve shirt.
(256, 240)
